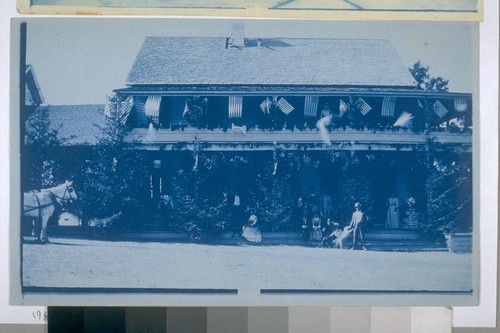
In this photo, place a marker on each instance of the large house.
(281, 128)
(341, 119)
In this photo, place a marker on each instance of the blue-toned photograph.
(233, 162)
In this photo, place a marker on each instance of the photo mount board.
(444, 10)
(249, 292)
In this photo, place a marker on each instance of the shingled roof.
(80, 121)
(209, 61)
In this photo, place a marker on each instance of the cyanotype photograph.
(244, 162)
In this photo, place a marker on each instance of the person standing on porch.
(392, 221)
(165, 208)
(236, 214)
(357, 221)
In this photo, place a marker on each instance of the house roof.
(33, 92)
(81, 121)
(208, 61)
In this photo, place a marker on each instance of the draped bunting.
(311, 106)
(152, 106)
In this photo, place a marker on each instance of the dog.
(340, 236)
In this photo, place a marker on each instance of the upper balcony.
(264, 121)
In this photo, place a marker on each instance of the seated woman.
(251, 232)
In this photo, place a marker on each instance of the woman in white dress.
(251, 232)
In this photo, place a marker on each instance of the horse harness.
(53, 201)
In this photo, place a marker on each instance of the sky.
(80, 61)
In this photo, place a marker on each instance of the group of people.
(332, 234)
(321, 231)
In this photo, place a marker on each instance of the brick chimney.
(238, 35)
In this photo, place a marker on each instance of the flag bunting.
(439, 109)
(265, 106)
(125, 109)
(363, 107)
(235, 106)
(461, 104)
(239, 129)
(343, 107)
(284, 106)
(311, 106)
(388, 106)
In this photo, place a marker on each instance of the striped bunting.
(285, 106)
(388, 106)
(363, 107)
(311, 106)
(152, 106)
(235, 106)
(461, 104)
(439, 109)
(343, 107)
(265, 106)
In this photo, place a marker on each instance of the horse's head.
(69, 193)
(64, 193)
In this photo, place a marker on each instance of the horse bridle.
(63, 198)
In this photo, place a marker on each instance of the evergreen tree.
(41, 158)
(271, 196)
(424, 81)
(115, 177)
(449, 195)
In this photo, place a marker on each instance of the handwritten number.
(40, 315)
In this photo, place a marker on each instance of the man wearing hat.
(357, 224)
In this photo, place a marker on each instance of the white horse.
(41, 205)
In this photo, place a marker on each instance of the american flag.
(343, 107)
(285, 106)
(121, 110)
(461, 104)
(235, 106)
(239, 129)
(266, 105)
(439, 109)
(125, 109)
(363, 107)
(388, 106)
(311, 106)
(110, 107)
